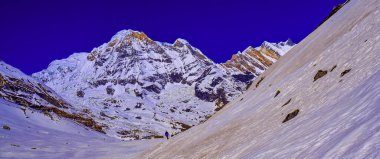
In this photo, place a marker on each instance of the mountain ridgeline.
(135, 88)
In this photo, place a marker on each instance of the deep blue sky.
(34, 33)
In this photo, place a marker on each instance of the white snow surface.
(338, 115)
(40, 137)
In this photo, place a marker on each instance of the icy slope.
(336, 111)
(139, 88)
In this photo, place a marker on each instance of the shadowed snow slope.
(338, 114)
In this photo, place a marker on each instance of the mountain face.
(139, 88)
(320, 100)
(32, 96)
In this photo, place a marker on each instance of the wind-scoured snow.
(335, 116)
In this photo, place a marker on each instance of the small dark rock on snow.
(258, 83)
(6, 127)
(287, 102)
(80, 93)
(319, 74)
(345, 72)
(291, 115)
(277, 93)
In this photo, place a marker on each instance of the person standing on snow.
(167, 135)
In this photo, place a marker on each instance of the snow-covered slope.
(37, 123)
(34, 97)
(321, 100)
(139, 87)
(40, 137)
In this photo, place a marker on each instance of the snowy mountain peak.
(288, 42)
(180, 42)
(249, 49)
(123, 34)
(280, 48)
(139, 87)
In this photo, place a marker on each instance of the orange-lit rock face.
(92, 55)
(142, 36)
(271, 53)
(178, 43)
(243, 63)
(127, 40)
(258, 56)
(112, 43)
(234, 57)
(2, 81)
(252, 60)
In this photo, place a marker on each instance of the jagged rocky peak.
(129, 43)
(256, 60)
(128, 35)
(278, 48)
(180, 42)
(134, 56)
(288, 42)
(124, 38)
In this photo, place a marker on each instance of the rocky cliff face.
(139, 87)
(257, 60)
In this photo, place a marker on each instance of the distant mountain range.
(135, 88)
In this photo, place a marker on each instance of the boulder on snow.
(277, 93)
(319, 74)
(345, 72)
(258, 83)
(80, 93)
(291, 115)
(6, 127)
